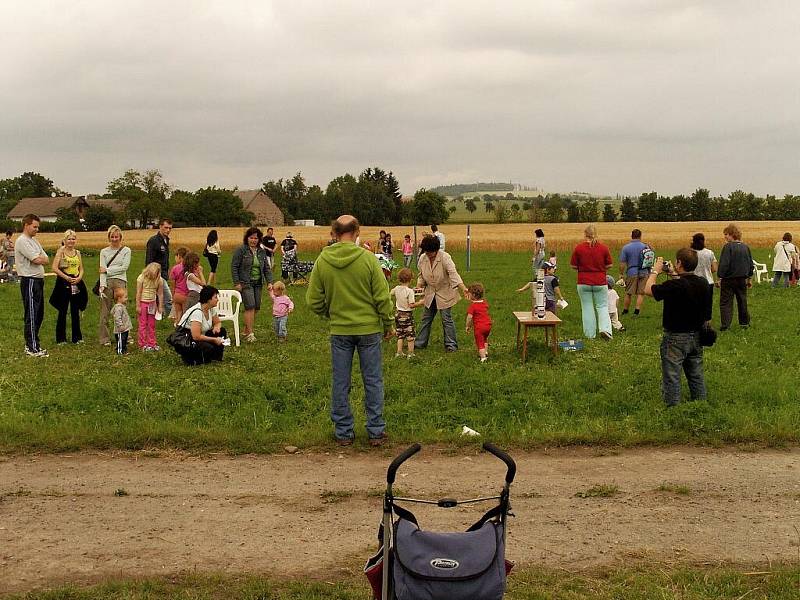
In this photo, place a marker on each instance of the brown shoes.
(378, 441)
(344, 441)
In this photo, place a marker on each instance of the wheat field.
(486, 237)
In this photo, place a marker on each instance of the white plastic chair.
(759, 271)
(227, 311)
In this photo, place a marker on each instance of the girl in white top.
(194, 279)
(785, 260)
(706, 266)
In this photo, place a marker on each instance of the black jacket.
(735, 260)
(158, 251)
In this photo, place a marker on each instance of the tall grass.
(266, 394)
(508, 237)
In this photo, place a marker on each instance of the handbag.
(96, 286)
(181, 339)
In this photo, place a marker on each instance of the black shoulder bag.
(181, 339)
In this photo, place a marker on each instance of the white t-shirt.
(403, 296)
(196, 315)
(192, 286)
(27, 249)
(704, 259)
(440, 235)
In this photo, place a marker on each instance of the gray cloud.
(610, 97)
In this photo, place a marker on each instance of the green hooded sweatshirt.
(347, 286)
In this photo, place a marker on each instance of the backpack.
(647, 258)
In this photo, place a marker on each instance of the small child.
(552, 288)
(122, 321)
(282, 305)
(404, 317)
(177, 279)
(613, 299)
(553, 260)
(478, 319)
(408, 251)
(149, 297)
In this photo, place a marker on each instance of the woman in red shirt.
(592, 260)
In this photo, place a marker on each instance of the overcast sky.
(600, 96)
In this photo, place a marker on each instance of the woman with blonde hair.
(69, 292)
(592, 260)
(114, 262)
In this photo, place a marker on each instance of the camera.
(668, 267)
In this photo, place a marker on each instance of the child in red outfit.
(478, 319)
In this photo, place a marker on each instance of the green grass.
(533, 584)
(267, 395)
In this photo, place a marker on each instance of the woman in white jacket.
(785, 260)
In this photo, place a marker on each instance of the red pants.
(481, 334)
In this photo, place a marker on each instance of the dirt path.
(60, 519)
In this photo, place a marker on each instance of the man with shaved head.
(348, 288)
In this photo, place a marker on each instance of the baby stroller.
(293, 270)
(413, 564)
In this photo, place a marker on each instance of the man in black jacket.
(158, 252)
(735, 274)
(686, 301)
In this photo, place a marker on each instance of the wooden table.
(525, 319)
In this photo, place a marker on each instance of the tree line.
(650, 206)
(373, 197)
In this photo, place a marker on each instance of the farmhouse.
(47, 207)
(265, 210)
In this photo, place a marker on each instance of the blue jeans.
(448, 327)
(279, 325)
(681, 351)
(371, 363)
(777, 279)
(594, 309)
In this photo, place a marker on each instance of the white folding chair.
(759, 271)
(227, 311)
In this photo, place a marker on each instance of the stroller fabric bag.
(448, 566)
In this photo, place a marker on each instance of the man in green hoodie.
(347, 287)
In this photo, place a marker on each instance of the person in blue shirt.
(633, 270)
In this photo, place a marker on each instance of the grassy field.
(485, 237)
(781, 583)
(267, 395)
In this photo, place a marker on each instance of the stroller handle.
(399, 460)
(512, 466)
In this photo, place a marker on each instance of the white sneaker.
(399, 355)
(250, 337)
(484, 359)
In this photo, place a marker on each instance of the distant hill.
(458, 189)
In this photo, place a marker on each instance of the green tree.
(339, 196)
(573, 211)
(99, 218)
(609, 214)
(590, 210)
(554, 209)
(144, 194)
(27, 185)
(429, 207)
(648, 207)
(502, 212)
(700, 205)
(470, 205)
(628, 211)
(488, 206)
